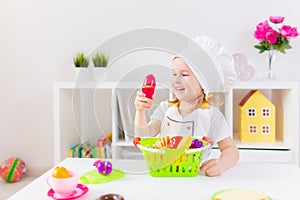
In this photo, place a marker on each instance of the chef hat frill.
(213, 68)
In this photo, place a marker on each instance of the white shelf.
(265, 85)
(285, 96)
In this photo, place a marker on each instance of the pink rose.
(260, 34)
(276, 19)
(271, 36)
(261, 30)
(263, 25)
(288, 32)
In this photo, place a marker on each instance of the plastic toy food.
(103, 167)
(174, 141)
(60, 172)
(149, 86)
(239, 193)
(185, 143)
(136, 141)
(196, 144)
(111, 197)
(162, 143)
(208, 140)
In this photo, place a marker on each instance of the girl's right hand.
(142, 102)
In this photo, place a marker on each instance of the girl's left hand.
(212, 167)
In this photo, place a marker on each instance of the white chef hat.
(213, 68)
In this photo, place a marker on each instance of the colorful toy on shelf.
(256, 118)
(149, 86)
(81, 151)
(103, 167)
(12, 169)
(245, 72)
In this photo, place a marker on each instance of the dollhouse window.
(265, 112)
(265, 129)
(251, 112)
(252, 129)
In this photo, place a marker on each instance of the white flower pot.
(83, 74)
(100, 74)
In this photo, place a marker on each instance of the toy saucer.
(78, 192)
(213, 197)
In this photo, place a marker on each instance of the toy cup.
(149, 86)
(63, 186)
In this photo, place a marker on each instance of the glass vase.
(271, 65)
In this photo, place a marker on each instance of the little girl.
(189, 114)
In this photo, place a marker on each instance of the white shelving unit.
(99, 102)
(285, 96)
(85, 111)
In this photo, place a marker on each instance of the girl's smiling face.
(185, 85)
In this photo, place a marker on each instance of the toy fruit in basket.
(185, 143)
(149, 86)
(136, 141)
(60, 172)
(196, 144)
(182, 161)
(162, 143)
(174, 141)
(208, 140)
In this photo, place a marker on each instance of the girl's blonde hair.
(175, 102)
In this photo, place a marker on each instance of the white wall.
(39, 38)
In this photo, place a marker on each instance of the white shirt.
(201, 122)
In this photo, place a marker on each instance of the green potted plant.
(100, 60)
(81, 60)
(81, 63)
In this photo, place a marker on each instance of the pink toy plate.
(78, 192)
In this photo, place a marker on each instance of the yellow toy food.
(60, 172)
(185, 143)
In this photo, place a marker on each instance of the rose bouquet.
(275, 36)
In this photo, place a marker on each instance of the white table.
(279, 181)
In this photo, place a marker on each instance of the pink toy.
(12, 169)
(103, 167)
(63, 186)
(149, 86)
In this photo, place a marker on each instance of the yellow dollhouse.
(256, 118)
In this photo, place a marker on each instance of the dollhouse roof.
(247, 97)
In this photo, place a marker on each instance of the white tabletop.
(279, 181)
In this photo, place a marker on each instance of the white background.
(39, 38)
